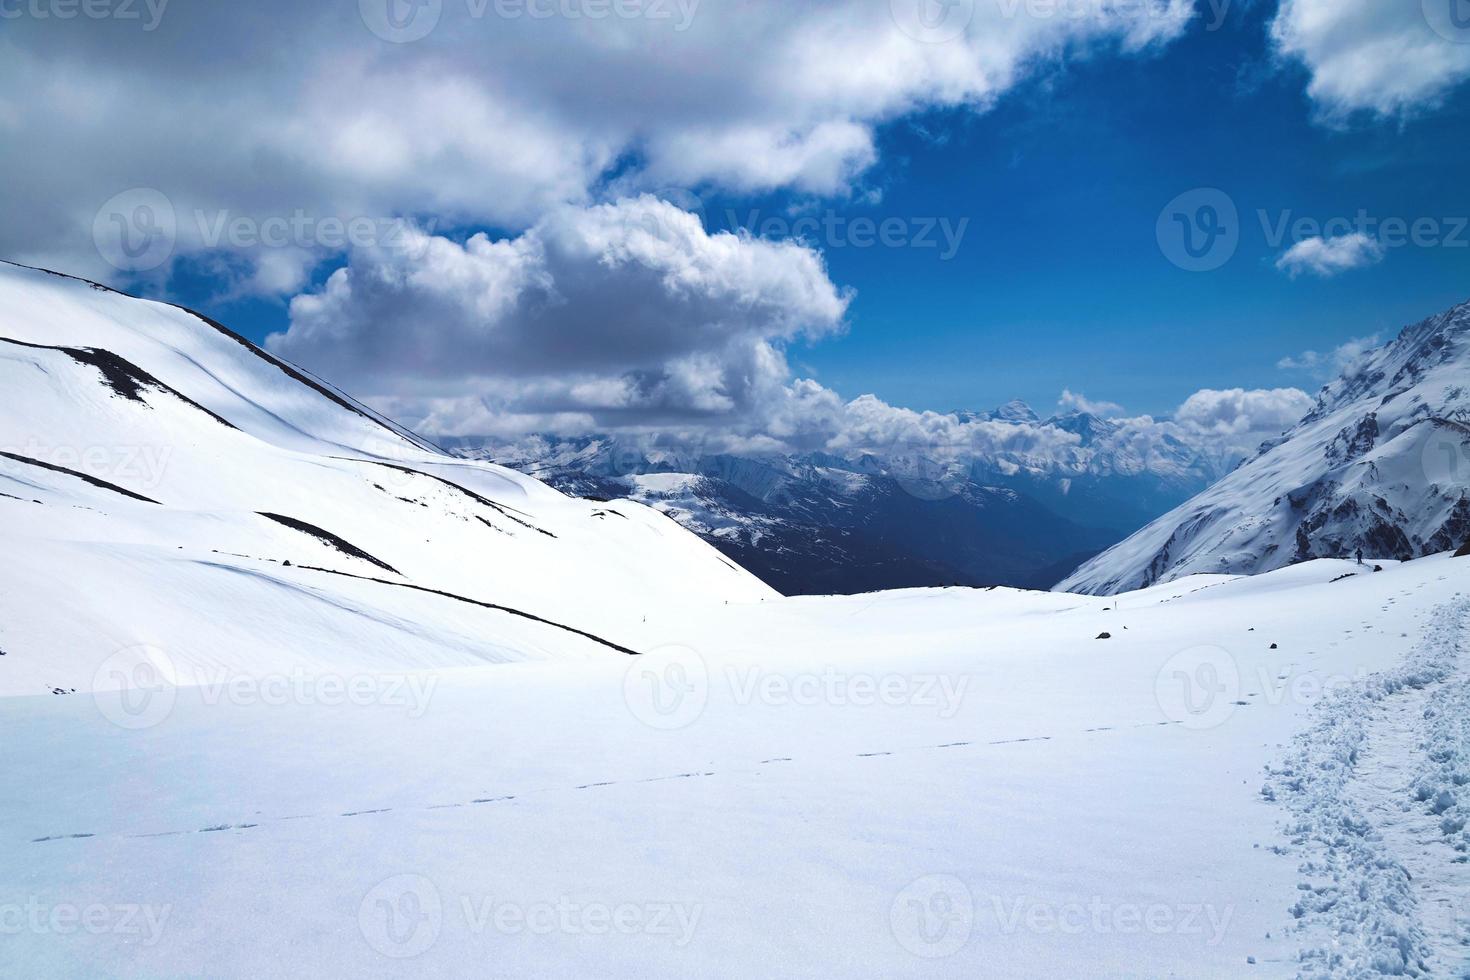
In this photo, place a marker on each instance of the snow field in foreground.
(930, 783)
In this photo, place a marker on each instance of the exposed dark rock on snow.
(330, 539)
(123, 377)
(94, 481)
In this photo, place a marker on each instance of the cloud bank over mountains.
(631, 319)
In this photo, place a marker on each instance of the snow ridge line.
(483, 605)
(1354, 885)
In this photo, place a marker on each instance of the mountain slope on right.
(1381, 463)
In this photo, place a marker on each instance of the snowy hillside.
(939, 783)
(165, 484)
(1382, 463)
(287, 691)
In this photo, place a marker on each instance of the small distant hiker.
(1360, 556)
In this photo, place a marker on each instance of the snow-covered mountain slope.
(936, 783)
(1382, 463)
(288, 743)
(912, 515)
(165, 483)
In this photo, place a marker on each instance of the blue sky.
(1059, 280)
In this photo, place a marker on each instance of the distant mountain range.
(913, 515)
(1381, 463)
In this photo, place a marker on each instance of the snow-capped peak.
(1380, 464)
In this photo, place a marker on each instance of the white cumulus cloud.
(1242, 416)
(610, 315)
(1328, 257)
(1071, 401)
(500, 113)
(1337, 362)
(1387, 57)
